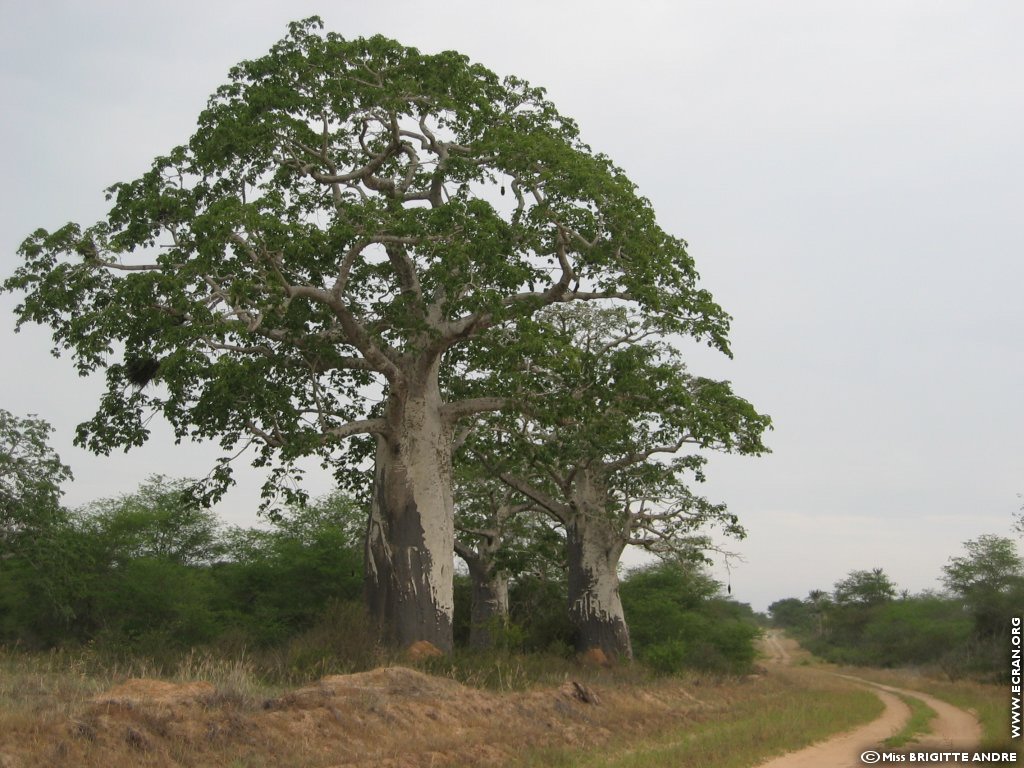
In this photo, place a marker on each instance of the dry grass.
(50, 716)
(739, 726)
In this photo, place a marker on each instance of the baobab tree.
(608, 443)
(348, 215)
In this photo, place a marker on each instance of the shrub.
(676, 622)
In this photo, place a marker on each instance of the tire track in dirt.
(844, 751)
(952, 729)
(779, 653)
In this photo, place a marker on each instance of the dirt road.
(952, 728)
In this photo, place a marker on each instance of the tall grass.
(921, 716)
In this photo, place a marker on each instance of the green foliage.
(864, 588)
(791, 613)
(278, 582)
(913, 630)
(537, 607)
(31, 474)
(157, 521)
(916, 630)
(341, 211)
(155, 575)
(989, 579)
(338, 226)
(38, 559)
(863, 622)
(676, 621)
(497, 530)
(601, 450)
(665, 658)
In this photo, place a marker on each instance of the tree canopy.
(345, 212)
(865, 588)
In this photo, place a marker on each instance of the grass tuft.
(921, 716)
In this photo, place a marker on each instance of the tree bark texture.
(411, 530)
(593, 549)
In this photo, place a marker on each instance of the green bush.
(676, 622)
(666, 658)
(537, 607)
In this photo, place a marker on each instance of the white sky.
(849, 175)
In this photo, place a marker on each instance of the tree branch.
(561, 512)
(361, 427)
(452, 412)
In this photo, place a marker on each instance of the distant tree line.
(965, 630)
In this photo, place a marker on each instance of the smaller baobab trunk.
(485, 519)
(489, 597)
(593, 548)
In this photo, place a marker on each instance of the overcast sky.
(849, 176)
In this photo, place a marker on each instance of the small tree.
(37, 565)
(820, 602)
(497, 540)
(159, 520)
(790, 613)
(282, 581)
(31, 474)
(677, 620)
(348, 216)
(989, 579)
(864, 588)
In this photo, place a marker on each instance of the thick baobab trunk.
(489, 607)
(411, 530)
(593, 548)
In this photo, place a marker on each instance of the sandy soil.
(952, 730)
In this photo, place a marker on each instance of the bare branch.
(452, 412)
(361, 427)
(561, 512)
(129, 267)
(466, 553)
(641, 456)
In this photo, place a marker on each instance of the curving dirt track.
(952, 728)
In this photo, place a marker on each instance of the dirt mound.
(145, 691)
(595, 657)
(341, 720)
(390, 681)
(423, 649)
